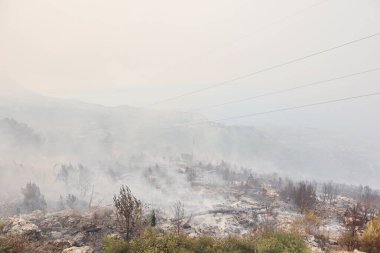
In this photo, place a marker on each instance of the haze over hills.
(189, 126)
(38, 133)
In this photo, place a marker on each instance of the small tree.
(33, 199)
(288, 191)
(71, 201)
(128, 210)
(191, 174)
(61, 203)
(305, 197)
(179, 215)
(153, 220)
(369, 203)
(354, 219)
(329, 192)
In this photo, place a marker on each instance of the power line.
(298, 107)
(291, 108)
(265, 26)
(222, 83)
(286, 90)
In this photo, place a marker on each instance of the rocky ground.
(241, 211)
(63, 231)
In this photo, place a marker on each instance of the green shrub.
(237, 244)
(113, 245)
(197, 245)
(280, 242)
(155, 241)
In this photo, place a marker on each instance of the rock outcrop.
(22, 227)
(84, 249)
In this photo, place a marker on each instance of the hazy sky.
(137, 52)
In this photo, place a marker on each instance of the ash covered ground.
(217, 200)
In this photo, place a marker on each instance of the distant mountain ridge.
(84, 132)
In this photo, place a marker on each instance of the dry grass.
(12, 244)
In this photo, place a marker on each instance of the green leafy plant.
(114, 245)
(281, 242)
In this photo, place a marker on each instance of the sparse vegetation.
(133, 230)
(114, 245)
(359, 233)
(154, 241)
(302, 195)
(312, 222)
(76, 178)
(354, 219)
(308, 224)
(370, 240)
(349, 240)
(369, 202)
(178, 215)
(329, 192)
(152, 219)
(281, 242)
(12, 244)
(71, 201)
(305, 197)
(2, 225)
(33, 199)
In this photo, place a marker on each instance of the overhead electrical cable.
(276, 66)
(299, 107)
(266, 25)
(290, 108)
(286, 90)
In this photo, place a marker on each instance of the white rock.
(18, 226)
(84, 249)
(56, 235)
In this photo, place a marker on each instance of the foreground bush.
(370, 241)
(308, 224)
(280, 242)
(157, 242)
(33, 199)
(349, 241)
(12, 245)
(113, 245)
(184, 244)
